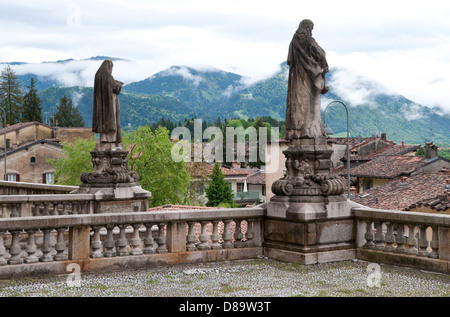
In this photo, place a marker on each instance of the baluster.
(390, 238)
(249, 235)
(122, 242)
(46, 209)
(109, 243)
(369, 235)
(190, 239)
(423, 241)
(96, 243)
(434, 243)
(37, 209)
(46, 248)
(148, 240)
(227, 235)
(136, 241)
(5, 211)
(60, 246)
(400, 239)
(15, 248)
(75, 210)
(31, 248)
(161, 240)
(14, 211)
(412, 241)
(379, 236)
(215, 236)
(55, 208)
(65, 208)
(204, 237)
(238, 236)
(2, 249)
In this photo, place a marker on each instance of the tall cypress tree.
(32, 110)
(11, 96)
(68, 115)
(219, 190)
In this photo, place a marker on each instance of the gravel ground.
(256, 278)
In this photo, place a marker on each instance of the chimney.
(403, 143)
(431, 150)
(383, 136)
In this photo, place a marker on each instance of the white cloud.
(401, 44)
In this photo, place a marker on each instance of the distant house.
(28, 147)
(28, 162)
(237, 178)
(392, 162)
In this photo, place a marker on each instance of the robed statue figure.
(106, 120)
(307, 69)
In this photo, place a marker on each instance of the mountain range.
(180, 92)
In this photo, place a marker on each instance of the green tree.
(76, 160)
(32, 110)
(219, 191)
(11, 96)
(67, 115)
(150, 155)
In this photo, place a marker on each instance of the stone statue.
(308, 177)
(307, 69)
(106, 119)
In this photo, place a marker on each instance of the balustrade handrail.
(45, 197)
(24, 223)
(418, 218)
(62, 188)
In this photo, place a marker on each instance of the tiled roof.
(438, 203)
(397, 149)
(400, 195)
(257, 178)
(388, 166)
(22, 125)
(203, 169)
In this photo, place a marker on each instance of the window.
(32, 160)
(49, 178)
(240, 187)
(13, 177)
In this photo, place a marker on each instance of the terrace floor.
(252, 278)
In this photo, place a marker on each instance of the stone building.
(29, 145)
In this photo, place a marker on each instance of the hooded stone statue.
(307, 69)
(106, 119)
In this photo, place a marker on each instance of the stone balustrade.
(420, 240)
(45, 205)
(100, 242)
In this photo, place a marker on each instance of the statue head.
(306, 25)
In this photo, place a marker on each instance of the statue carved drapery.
(307, 69)
(106, 114)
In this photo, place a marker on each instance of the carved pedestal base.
(115, 187)
(309, 220)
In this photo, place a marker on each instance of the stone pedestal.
(309, 220)
(115, 187)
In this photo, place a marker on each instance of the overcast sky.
(403, 45)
